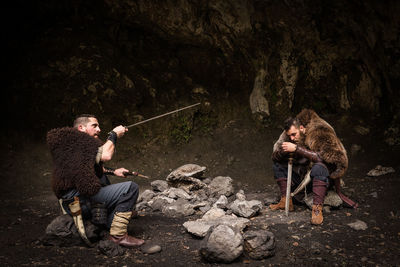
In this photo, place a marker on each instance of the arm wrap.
(112, 136)
(310, 155)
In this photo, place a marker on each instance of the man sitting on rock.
(78, 157)
(312, 143)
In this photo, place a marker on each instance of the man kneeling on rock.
(78, 157)
(313, 144)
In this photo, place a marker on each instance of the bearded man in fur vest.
(311, 141)
(78, 157)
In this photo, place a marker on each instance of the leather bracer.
(310, 155)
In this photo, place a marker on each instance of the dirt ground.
(237, 150)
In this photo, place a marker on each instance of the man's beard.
(301, 139)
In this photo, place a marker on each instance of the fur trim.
(74, 156)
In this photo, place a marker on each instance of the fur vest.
(320, 137)
(74, 159)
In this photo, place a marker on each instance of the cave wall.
(120, 59)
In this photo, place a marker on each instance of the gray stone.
(150, 248)
(197, 228)
(179, 207)
(159, 185)
(62, 232)
(223, 244)
(358, 225)
(188, 184)
(332, 199)
(159, 202)
(245, 208)
(221, 185)
(240, 195)
(221, 202)
(176, 193)
(214, 218)
(213, 213)
(201, 195)
(380, 170)
(205, 208)
(259, 244)
(142, 206)
(146, 196)
(187, 170)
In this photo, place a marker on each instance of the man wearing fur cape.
(313, 144)
(78, 157)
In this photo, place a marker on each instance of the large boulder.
(259, 244)
(224, 244)
(63, 232)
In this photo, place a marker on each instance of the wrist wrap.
(311, 155)
(109, 170)
(112, 136)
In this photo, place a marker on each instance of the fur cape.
(74, 158)
(320, 137)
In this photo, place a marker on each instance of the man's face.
(91, 128)
(296, 134)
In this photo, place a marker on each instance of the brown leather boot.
(282, 182)
(119, 230)
(316, 216)
(281, 204)
(126, 240)
(319, 192)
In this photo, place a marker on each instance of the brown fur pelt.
(74, 156)
(320, 137)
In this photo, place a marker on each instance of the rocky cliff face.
(268, 58)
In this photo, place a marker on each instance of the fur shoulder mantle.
(321, 138)
(74, 156)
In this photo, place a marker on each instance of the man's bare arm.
(108, 148)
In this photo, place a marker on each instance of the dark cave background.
(260, 61)
(251, 64)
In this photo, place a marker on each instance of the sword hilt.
(291, 156)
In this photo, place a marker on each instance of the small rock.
(358, 225)
(150, 249)
(380, 170)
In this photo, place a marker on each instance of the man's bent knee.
(319, 172)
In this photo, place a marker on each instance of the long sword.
(162, 115)
(289, 184)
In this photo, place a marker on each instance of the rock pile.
(225, 215)
(185, 192)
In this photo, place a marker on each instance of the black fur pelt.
(74, 157)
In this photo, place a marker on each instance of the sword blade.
(288, 186)
(162, 115)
